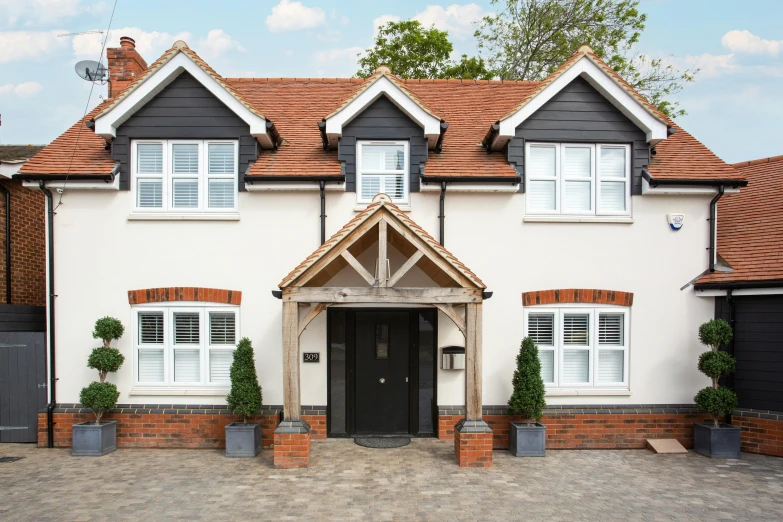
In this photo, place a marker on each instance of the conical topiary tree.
(245, 396)
(715, 364)
(102, 396)
(527, 398)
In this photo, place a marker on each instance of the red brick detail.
(473, 450)
(317, 426)
(584, 431)
(577, 295)
(125, 65)
(149, 430)
(28, 245)
(764, 436)
(292, 450)
(184, 293)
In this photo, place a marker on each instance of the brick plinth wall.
(165, 426)
(572, 428)
(292, 445)
(762, 431)
(473, 444)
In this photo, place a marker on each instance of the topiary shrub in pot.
(243, 439)
(99, 438)
(716, 439)
(527, 439)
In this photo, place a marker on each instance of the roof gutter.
(740, 285)
(494, 130)
(324, 138)
(514, 180)
(108, 178)
(443, 128)
(731, 183)
(272, 131)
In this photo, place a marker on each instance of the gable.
(382, 120)
(579, 113)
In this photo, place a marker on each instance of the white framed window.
(382, 166)
(184, 345)
(580, 179)
(581, 347)
(184, 176)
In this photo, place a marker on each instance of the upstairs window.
(578, 179)
(184, 176)
(382, 166)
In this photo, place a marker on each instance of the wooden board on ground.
(665, 446)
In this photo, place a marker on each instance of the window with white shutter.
(184, 176)
(382, 166)
(577, 179)
(581, 347)
(185, 346)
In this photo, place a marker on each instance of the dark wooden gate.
(22, 371)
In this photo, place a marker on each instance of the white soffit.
(655, 129)
(106, 124)
(383, 86)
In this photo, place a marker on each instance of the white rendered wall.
(100, 255)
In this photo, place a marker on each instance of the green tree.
(715, 400)
(245, 396)
(529, 39)
(527, 399)
(413, 51)
(102, 396)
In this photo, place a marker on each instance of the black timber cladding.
(184, 109)
(22, 318)
(758, 348)
(382, 120)
(580, 114)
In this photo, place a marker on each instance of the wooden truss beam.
(312, 313)
(453, 314)
(405, 268)
(381, 296)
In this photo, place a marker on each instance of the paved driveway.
(419, 481)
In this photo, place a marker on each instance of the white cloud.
(338, 62)
(381, 21)
(28, 45)
(149, 44)
(458, 20)
(747, 42)
(218, 42)
(709, 65)
(22, 90)
(292, 16)
(47, 12)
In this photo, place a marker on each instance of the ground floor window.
(185, 345)
(581, 347)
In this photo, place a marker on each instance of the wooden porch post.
(291, 394)
(473, 362)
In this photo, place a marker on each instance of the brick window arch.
(184, 293)
(577, 295)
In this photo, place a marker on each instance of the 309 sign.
(311, 357)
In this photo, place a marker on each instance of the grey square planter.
(94, 440)
(243, 440)
(527, 440)
(719, 443)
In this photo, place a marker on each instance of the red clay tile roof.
(750, 225)
(296, 105)
(380, 202)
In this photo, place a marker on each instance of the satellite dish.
(92, 71)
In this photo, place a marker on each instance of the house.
(353, 228)
(747, 286)
(22, 299)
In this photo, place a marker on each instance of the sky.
(734, 107)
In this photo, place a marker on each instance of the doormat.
(9, 459)
(382, 442)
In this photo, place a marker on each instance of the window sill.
(405, 207)
(578, 219)
(184, 217)
(587, 392)
(204, 392)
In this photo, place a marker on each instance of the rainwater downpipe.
(7, 243)
(714, 225)
(322, 186)
(50, 271)
(442, 216)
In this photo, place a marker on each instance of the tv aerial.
(92, 71)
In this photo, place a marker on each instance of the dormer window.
(184, 176)
(382, 167)
(578, 179)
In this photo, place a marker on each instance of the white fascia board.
(471, 187)
(310, 186)
(682, 190)
(655, 129)
(383, 86)
(740, 292)
(106, 125)
(77, 184)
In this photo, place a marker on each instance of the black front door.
(383, 346)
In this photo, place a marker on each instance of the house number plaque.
(311, 357)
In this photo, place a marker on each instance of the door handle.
(382, 380)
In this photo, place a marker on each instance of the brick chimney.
(125, 65)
